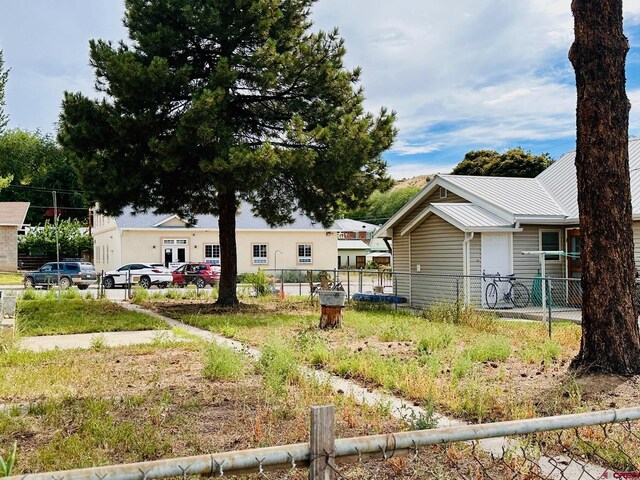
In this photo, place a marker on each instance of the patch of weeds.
(312, 346)
(397, 332)
(461, 366)
(475, 401)
(88, 296)
(7, 463)
(432, 363)
(98, 342)
(435, 339)
(139, 294)
(489, 348)
(549, 351)
(222, 363)
(163, 338)
(278, 366)
(70, 294)
(420, 420)
(228, 330)
(29, 294)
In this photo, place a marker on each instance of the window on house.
(212, 253)
(304, 253)
(550, 242)
(443, 192)
(259, 254)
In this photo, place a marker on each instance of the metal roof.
(560, 180)
(469, 215)
(348, 225)
(245, 220)
(517, 196)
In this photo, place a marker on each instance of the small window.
(260, 254)
(212, 254)
(304, 253)
(169, 241)
(550, 242)
(181, 242)
(443, 192)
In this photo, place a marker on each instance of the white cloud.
(464, 72)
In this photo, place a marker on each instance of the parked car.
(199, 274)
(144, 274)
(80, 274)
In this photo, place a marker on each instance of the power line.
(46, 190)
(59, 207)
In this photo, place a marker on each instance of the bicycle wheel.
(519, 295)
(491, 295)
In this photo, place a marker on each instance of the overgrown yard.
(83, 408)
(45, 315)
(478, 369)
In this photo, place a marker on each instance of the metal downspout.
(466, 265)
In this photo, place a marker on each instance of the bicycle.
(518, 294)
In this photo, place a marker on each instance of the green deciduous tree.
(381, 206)
(610, 335)
(223, 101)
(72, 238)
(4, 76)
(513, 163)
(38, 165)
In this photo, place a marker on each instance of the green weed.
(549, 351)
(222, 363)
(278, 366)
(6, 466)
(487, 348)
(435, 339)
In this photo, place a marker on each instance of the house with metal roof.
(171, 240)
(470, 224)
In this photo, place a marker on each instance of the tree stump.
(330, 316)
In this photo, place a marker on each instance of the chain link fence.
(530, 298)
(594, 445)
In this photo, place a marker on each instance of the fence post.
(550, 300)
(348, 287)
(458, 307)
(322, 443)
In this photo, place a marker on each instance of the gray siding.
(636, 243)
(437, 247)
(529, 240)
(450, 198)
(402, 263)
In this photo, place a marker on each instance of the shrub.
(222, 363)
(260, 283)
(549, 351)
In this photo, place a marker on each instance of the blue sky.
(462, 75)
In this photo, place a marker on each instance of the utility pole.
(55, 222)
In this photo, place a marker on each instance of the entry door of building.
(496, 259)
(175, 251)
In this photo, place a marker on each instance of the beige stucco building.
(169, 240)
(12, 215)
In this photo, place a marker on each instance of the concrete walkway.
(90, 340)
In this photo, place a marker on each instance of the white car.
(144, 274)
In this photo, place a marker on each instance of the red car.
(200, 274)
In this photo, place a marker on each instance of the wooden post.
(322, 443)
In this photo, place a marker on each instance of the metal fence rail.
(522, 297)
(331, 453)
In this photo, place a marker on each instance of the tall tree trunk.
(610, 337)
(227, 296)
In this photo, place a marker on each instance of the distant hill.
(417, 181)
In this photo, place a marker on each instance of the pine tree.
(221, 101)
